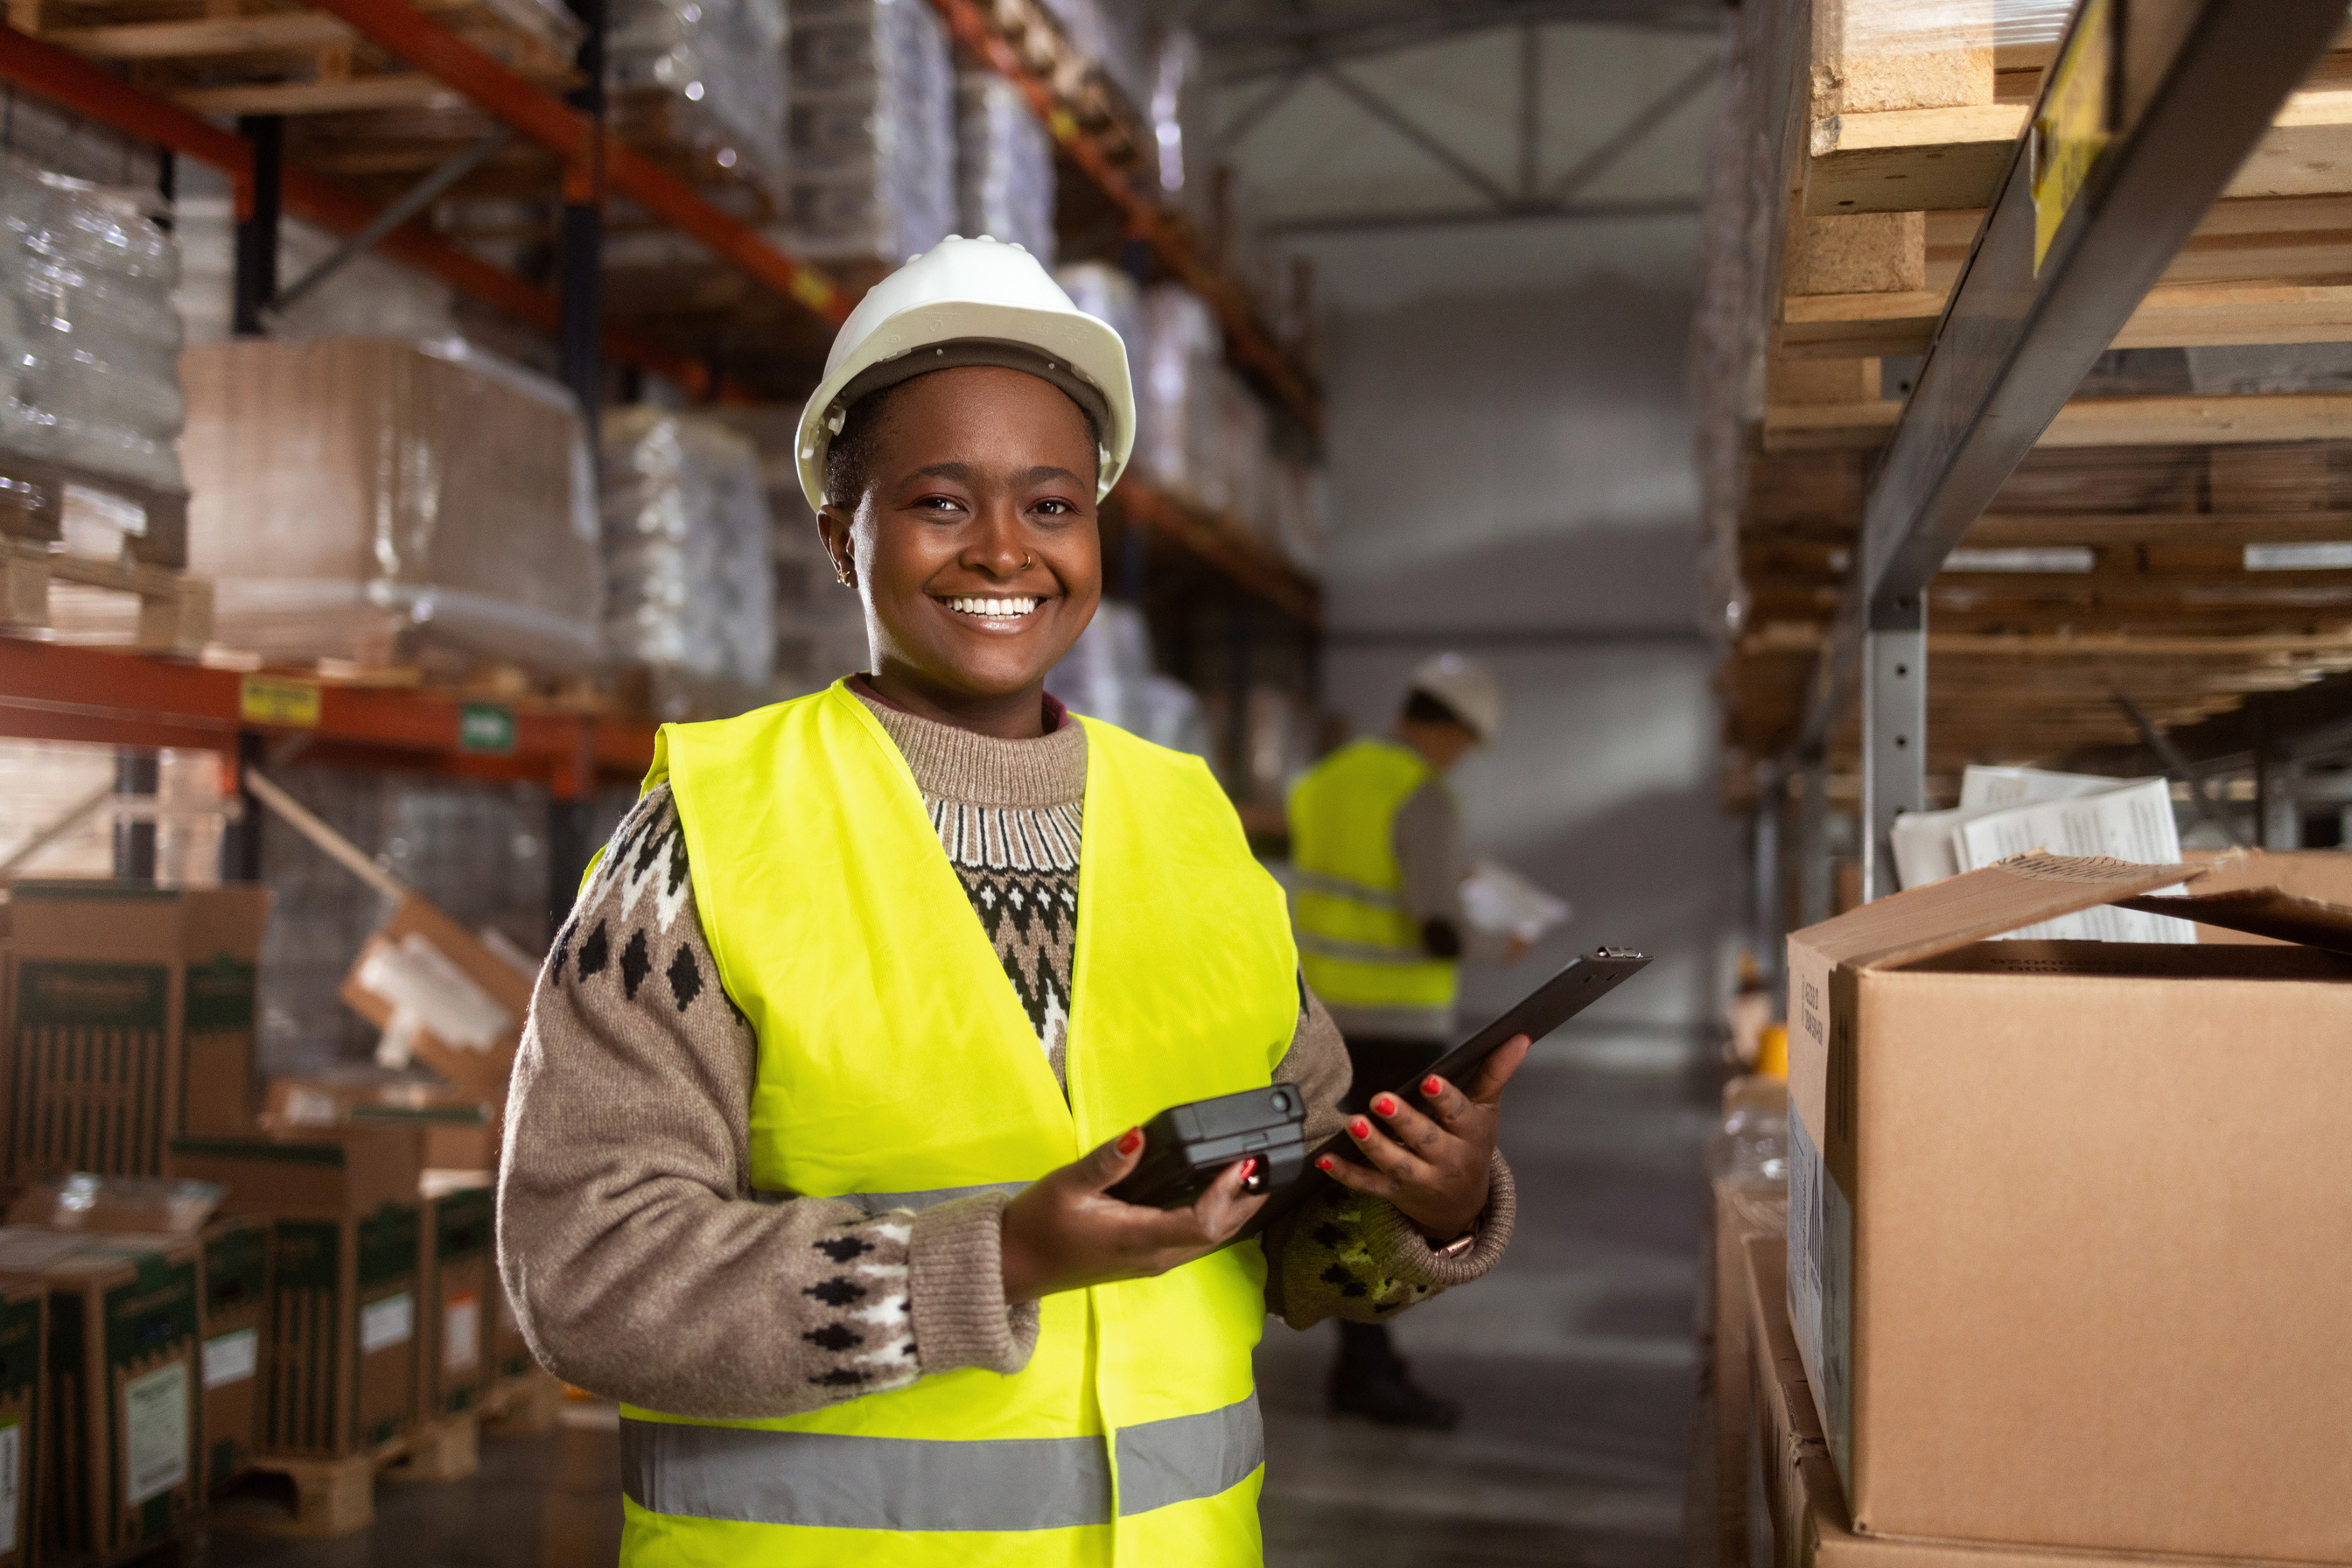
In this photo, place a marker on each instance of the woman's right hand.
(1063, 1232)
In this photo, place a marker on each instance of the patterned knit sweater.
(640, 1264)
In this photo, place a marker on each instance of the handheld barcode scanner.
(1185, 1146)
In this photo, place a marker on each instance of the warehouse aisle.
(1574, 1361)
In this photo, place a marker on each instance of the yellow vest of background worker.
(1359, 947)
(897, 1068)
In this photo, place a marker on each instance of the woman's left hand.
(1433, 1167)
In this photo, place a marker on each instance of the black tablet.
(1584, 982)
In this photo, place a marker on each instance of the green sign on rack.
(486, 727)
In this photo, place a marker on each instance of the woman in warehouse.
(809, 1133)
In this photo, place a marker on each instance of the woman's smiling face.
(974, 544)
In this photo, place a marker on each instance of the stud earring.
(841, 573)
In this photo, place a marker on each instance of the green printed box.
(235, 1324)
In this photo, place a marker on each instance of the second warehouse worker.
(1376, 847)
(858, 1018)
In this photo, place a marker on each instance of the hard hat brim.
(1090, 348)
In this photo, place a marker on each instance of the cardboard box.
(234, 1323)
(24, 1424)
(121, 1452)
(134, 1019)
(2065, 1238)
(2324, 875)
(339, 1362)
(1803, 1510)
(439, 991)
(458, 1130)
(1743, 1212)
(460, 1272)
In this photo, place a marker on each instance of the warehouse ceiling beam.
(75, 84)
(402, 30)
(1404, 125)
(412, 203)
(1540, 211)
(2132, 138)
(1628, 136)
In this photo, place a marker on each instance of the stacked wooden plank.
(2166, 546)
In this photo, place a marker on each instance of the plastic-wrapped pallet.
(873, 130)
(1108, 675)
(1234, 461)
(58, 811)
(1176, 389)
(1299, 497)
(380, 502)
(687, 558)
(1109, 295)
(90, 339)
(715, 68)
(1004, 165)
(1180, 123)
(1112, 34)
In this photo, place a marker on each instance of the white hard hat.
(1467, 687)
(968, 302)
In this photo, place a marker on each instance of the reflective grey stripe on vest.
(821, 1480)
(1188, 1457)
(883, 1203)
(1361, 951)
(1304, 882)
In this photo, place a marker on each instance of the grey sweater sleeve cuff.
(1404, 1255)
(956, 1289)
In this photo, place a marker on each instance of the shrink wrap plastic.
(873, 131)
(1111, 296)
(88, 338)
(1180, 123)
(687, 558)
(720, 64)
(1114, 34)
(43, 782)
(476, 851)
(381, 502)
(820, 625)
(1004, 165)
(1176, 382)
(1108, 675)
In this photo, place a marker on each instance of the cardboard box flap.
(2022, 891)
(2260, 912)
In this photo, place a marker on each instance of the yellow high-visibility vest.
(1358, 947)
(897, 1068)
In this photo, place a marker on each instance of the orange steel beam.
(73, 82)
(969, 23)
(402, 30)
(1274, 581)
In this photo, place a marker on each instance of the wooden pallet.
(260, 56)
(336, 1496)
(175, 609)
(523, 1406)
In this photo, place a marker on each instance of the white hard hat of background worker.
(1466, 688)
(970, 302)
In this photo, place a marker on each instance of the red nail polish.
(1361, 1128)
(1385, 1104)
(1249, 1168)
(1324, 1163)
(1431, 1085)
(1130, 1141)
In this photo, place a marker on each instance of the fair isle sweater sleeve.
(639, 1263)
(1347, 1255)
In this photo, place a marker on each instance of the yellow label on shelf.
(2070, 130)
(269, 699)
(1064, 126)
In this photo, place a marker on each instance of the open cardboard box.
(441, 992)
(2069, 1245)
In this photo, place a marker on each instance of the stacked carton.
(2065, 1249)
(340, 1367)
(131, 1018)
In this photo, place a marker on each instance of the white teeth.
(972, 605)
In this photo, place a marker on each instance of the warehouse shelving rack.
(1851, 505)
(131, 700)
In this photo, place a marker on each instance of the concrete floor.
(1574, 1361)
